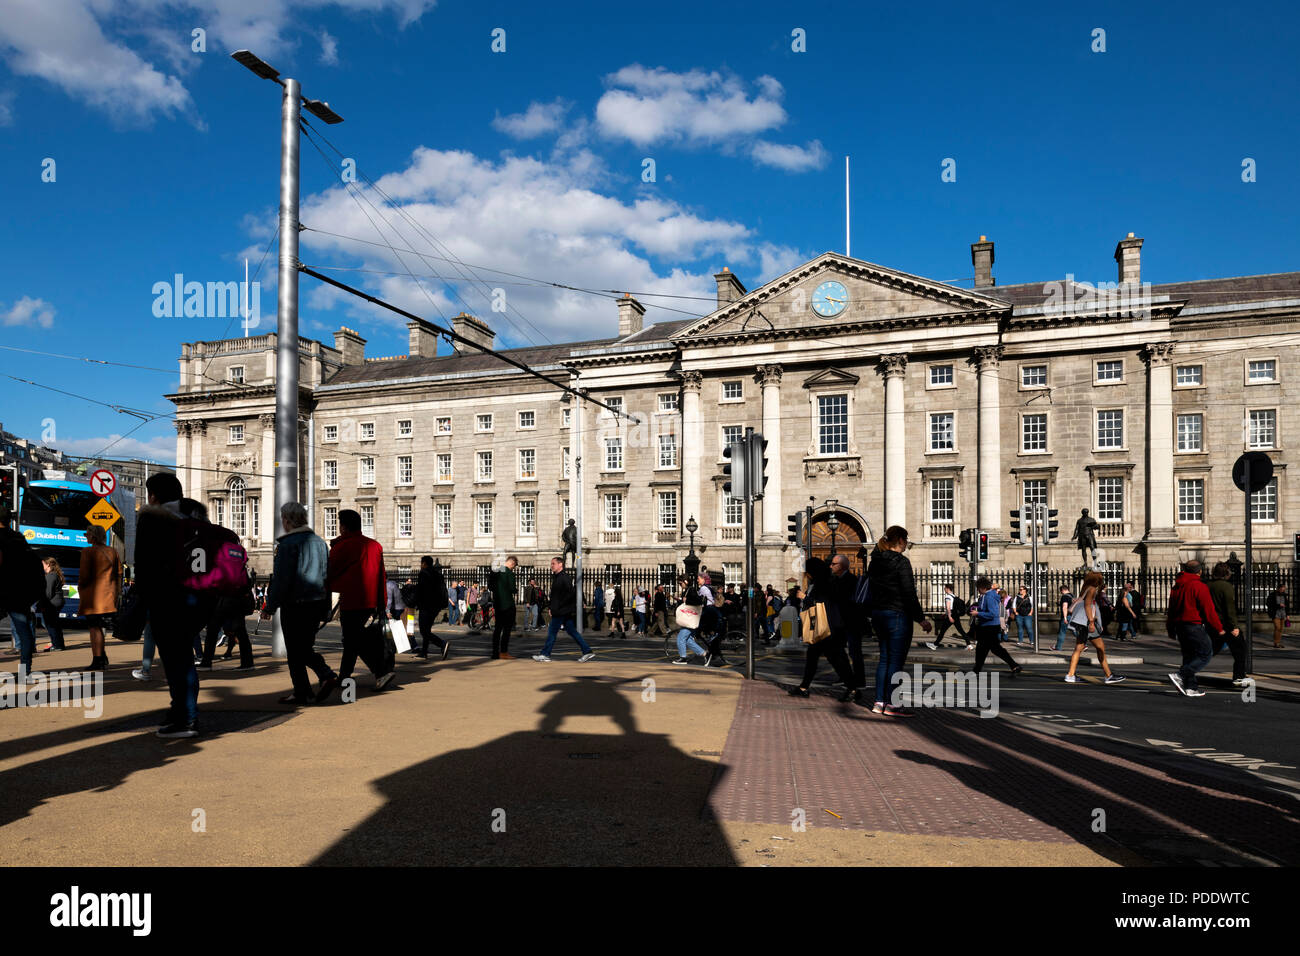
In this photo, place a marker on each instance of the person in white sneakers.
(564, 609)
(1085, 622)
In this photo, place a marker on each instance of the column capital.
(987, 356)
(266, 421)
(692, 381)
(182, 427)
(198, 426)
(892, 366)
(1158, 353)
(767, 375)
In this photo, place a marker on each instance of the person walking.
(1126, 614)
(228, 617)
(1224, 596)
(504, 590)
(1191, 618)
(639, 611)
(471, 607)
(1064, 601)
(1085, 621)
(598, 604)
(394, 603)
(1276, 608)
(531, 607)
(51, 604)
(431, 596)
(297, 591)
(989, 618)
(1026, 621)
(616, 622)
(22, 582)
(564, 608)
(1007, 613)
(356, 572)
(453, 604)
(822, 585)
(98, 580)
(953, 609)
(894, 608)
(698, 596)
(660, 606)
(486, 607)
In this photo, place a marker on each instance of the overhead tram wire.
(523, 367)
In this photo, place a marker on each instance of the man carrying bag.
(356, 572)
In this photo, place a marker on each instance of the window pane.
(1263, 503)
(527, 463)
(403, 521)
(1033, 375)
(832, 424)
(1033, 433)
(1189, 432)
(1034, 491)
(667, 511)
(613, 512)
(1263, 370)
(484, 520)
(1110, 371)
(1110, 429)
(941, 432)
(442, 520)
(528, 517)
(1189, 375)
(1191, 500)
(733, 511)
(667, 451)
(1263, 428)
(941, 499)
(940, 374)
(613, 454)
(1110, 499)
(444, 467)
(368, 520)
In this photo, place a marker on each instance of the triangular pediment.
(830, 377)
(875, 295)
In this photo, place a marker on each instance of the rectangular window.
(667, 401)
(613, 512)
(941, 376)
(1263, 503)
(442, 519)
(733, 391)
(1110, 499)
(484, 470)
(236, 434)
(942, 434)
(732, 573)
(564, 513)
(732, 434)
(941, 573)
(527, 517)
(1033, 376)
(366, 472)
(444, 466)
(667, 511)
(832, 424)
(565, 463)
(483, 519)
(615, 403)
(483, 423)
(1034, 491)
(405, 472)
(442, 425)
(1110, 370)
(528, 419)
(330, 433)
(527, 464)
(1191, 500)
(1033, 432)
(219, 512)
(1263, 428)
(331, 521)
(566, 416)
(329, 473)
(404, 428)
(667, 451)
(1261, 370)
(942, 493)
(1110, 429)
(1189, 432)
(733, 511)
(237, 374)
(367, 520)
(1189, 376)
(613, 454)
(366, 431)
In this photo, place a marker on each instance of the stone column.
(989, 516)
(892, 368)
(269, 524)
(198, 436)
(1160, 442)
(692, 452)
(769, 378)
(182, 454)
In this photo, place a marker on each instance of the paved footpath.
(474, 761)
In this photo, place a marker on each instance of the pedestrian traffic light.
(1297, 548)
(1050, 531)
(984, 545)
(756, 467)
(734, 469)
(795, 525)
(9, 488)
(1015, 528)
(967, 540)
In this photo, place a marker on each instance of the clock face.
(830, 299)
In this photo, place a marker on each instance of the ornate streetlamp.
(692, 560)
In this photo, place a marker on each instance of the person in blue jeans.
(1025, 617)
(1063, 602)
(894, 608)
(23, 626)
(564, 609)
(598, 604)
(21, 584)
(989, 615)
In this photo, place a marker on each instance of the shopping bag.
(816, 627)
(401, 641)
(410, 625)
(688, 615)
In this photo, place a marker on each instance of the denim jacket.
(301, 558)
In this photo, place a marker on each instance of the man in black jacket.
(430, 599)
(22, 582)
(564, 609)
(845, 616)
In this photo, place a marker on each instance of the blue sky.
(530, 161)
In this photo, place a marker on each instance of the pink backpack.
(212, 559)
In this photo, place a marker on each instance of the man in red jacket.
(1192, 620)
(356, 572)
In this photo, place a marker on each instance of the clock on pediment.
(830, 299)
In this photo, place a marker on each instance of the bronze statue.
(1085, 532)
(570, 538)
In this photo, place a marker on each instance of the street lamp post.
(692, 561)
(832, 522)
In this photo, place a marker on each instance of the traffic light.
(757, 464)
(9, 488)
(795, 525)
(1297, 548)
(1015, 528)
(984, 545)
(967, 540)
(1050, 531)
(734, 469)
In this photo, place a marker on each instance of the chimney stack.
(729, 287)
(351, 347)
(475, 329)
(423, 339)
(981, 255)
(1128, 253)
(630, 312)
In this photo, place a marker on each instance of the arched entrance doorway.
(849, 539)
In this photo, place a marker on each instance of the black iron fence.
(630, 580)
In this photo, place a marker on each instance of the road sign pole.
(1250, 585)
(750, 571)
(1033, 575)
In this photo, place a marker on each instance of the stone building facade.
(901, 399)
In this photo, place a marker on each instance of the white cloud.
(329, 49)
(28, 311)
(793, 159)
(537, 120)
(161, 449)
(6, 107)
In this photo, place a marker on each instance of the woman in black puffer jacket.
(894, 607)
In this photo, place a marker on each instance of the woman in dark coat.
(616, 613)
(818, 588)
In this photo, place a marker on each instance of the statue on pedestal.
(569, 536)
(1085, 533)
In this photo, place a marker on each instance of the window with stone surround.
(1033, 376)
(367, 520)
(236, 376)
(1110, 499)
(733, 511)
(1110, 428)
(1108, 372)
(1191, 500)
(1033, 432)
(442, 425)
(1263, 504)
(667, 451)
(442, 519)
(330, 434)
(1189, 376)
(667, 401)
(483, 422)
(527, 464)
(527, 517)
(940, 376)
(329, 473)
(405, 470)
(484, 469)
(613, 512)
(238, 506)
(444, 466)
(1262, 428)
(330, 521)
(366, 472)
(832, 424)
(1261, 371)
(366, 431)
(1190, 431)
(733, 391)
(667, 510)
(943, 431)
(483, 519)
(613, 454)
(405, 429)
(942, 500)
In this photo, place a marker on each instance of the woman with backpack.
(51, 603)
(1087, 625)
(990, 616)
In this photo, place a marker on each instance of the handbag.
(401, 641)
(816, 625)
(128, 625)
(688, 615)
